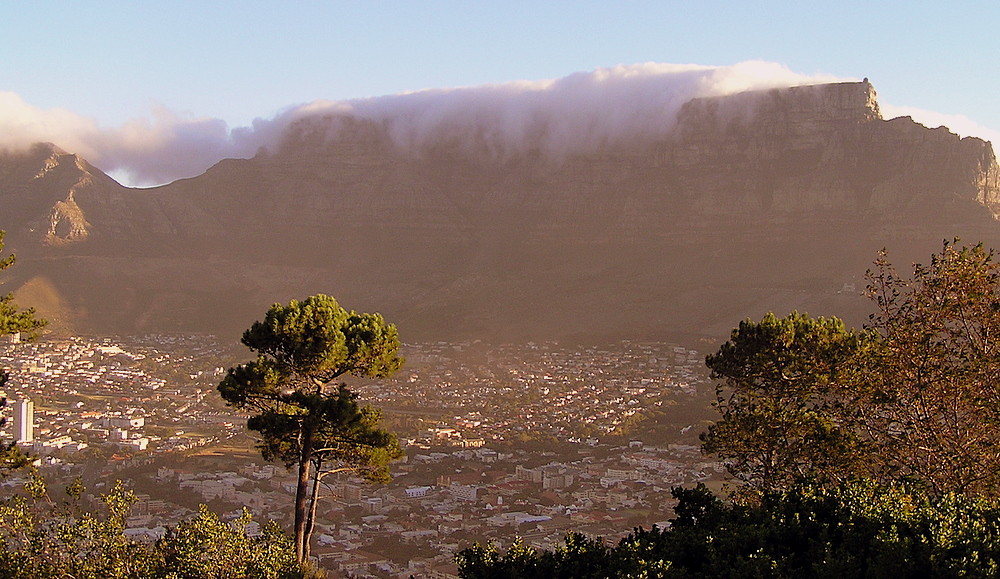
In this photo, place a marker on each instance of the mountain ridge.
(766, 200)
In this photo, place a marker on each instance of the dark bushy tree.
(304, 417)
(914, 397)
(857, 529)
(780, 401)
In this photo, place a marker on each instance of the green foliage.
(781, 419)
(41, 538)
(304, 417)
(855, 529)
(344, 432)
(207, 547)
(579, 557)
(12, 458)
(13, 319)
(304, 346)
(914, 397)
(310, 343)
(910, 406)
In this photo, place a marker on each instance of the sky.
(123, 82)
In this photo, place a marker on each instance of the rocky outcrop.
(825, 150)
(43, 209)
(66, 222)
(754, 202)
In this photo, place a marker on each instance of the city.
(506, 441)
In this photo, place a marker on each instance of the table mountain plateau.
(761, 201)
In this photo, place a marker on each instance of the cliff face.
(754, 202)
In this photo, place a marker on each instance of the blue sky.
(111, 63)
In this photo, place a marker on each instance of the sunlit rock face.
(755, 202)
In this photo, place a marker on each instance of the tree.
(854, 529)
(42, 537)
(304, 418)
(206, 546)
(12, 320)
(929, 397)
(915, 396)
(780, 404)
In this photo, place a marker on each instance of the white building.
(136, 444)
(464, 492)
(417, 492)
(24, 421)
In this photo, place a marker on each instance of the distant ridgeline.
(760, 201)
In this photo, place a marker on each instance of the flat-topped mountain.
(759, 201)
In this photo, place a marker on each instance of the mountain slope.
(759, 201)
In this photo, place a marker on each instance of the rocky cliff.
(753, 202)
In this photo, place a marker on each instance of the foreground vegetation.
(913, 396)
(45, 536)
(856, 529)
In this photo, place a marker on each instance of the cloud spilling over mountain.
(579, 112)
(141, 152)
(767, 200)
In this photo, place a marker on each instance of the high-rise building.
(24, 421)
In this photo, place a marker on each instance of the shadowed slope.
(758, 201)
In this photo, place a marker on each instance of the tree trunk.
(311, 520)
(301, 490)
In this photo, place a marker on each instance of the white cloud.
(153, 151)
(571, 114)
(575, 113)
(22, 124)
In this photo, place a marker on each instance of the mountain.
(759, 201)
